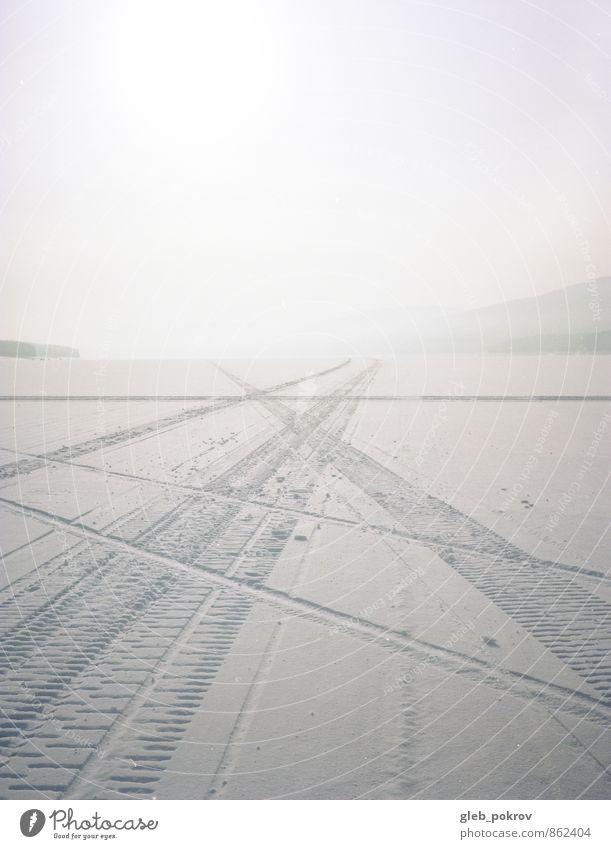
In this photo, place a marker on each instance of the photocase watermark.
(94, 826)
(598, 90)
(478, 159)
(9, 140)
(420, 667)
(379, 603)
(583, 244)
(69, 735)
(440, 418)
(574, 487)
(532, 461)
(32, 822)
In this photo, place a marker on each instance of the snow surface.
(312, 596)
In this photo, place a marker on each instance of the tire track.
(555, 696)
(232, 535)
(190, 570)
(564, 616)
(146, 430)
(149, 607)
(163, 513)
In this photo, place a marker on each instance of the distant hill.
(12, 348)
(577, 318)
(572, 320)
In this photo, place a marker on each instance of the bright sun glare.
(193, 64)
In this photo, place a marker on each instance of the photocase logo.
(32, 822)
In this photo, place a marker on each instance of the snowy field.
(306, 579)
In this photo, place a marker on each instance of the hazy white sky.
(184, 178)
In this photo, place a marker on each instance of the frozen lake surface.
(306, 579)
